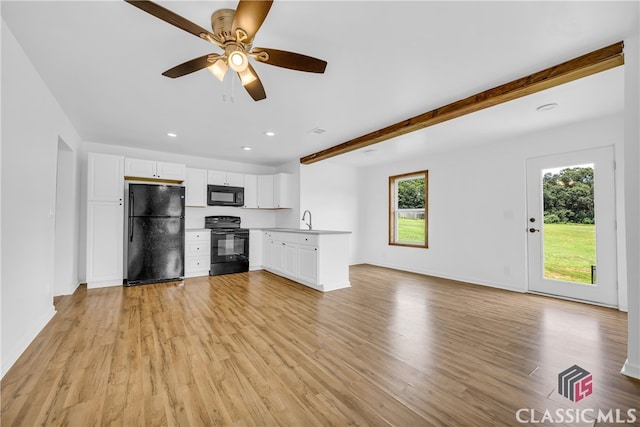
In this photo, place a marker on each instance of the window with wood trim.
(408, 213)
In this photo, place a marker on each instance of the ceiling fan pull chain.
(232, 89)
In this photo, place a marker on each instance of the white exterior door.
(567, 255)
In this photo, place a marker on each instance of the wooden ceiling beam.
(600, 60)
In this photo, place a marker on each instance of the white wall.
(477, 201)
(32, 123)
(66, 222)
(331, 192)
(632, 200)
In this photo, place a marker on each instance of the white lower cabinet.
(197, 256)
(105, 244)
(277, 256)
(291, 259)
(267, 241)
(308, 263)
(256, 249)
(320, 261)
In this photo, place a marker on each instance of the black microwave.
(223, 195)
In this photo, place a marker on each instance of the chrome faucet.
(304, 215)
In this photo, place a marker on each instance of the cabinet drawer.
(198, 236)
(285, 237)
(198, 264)
(308, 239)
(199, 249)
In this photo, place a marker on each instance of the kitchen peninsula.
(315, 258)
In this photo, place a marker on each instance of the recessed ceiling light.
(369, 151)
(246, 148)
(171, 134)
(547, 107)
(270, 133)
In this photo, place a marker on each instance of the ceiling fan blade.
(291, 60)
(250, 15)
(191, 66)
(255, 88)
(170, 17)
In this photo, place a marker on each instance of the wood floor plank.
(254, 348)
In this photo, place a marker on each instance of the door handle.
(533, 230)
(131, 217)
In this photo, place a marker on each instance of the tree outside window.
(408, 209)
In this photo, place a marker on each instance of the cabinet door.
(255, 249)
(235, 179)
(196, 192)
(291, 259)
(172, 171)
(267, 249)
(265, 191)
(250, 191)
(216, 178)
(277, 255)
(105, 178)
(282, 190)
(105, 242)
(308, 263)
(139, 168)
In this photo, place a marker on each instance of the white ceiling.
(387, 61)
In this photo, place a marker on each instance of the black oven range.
(229, 245)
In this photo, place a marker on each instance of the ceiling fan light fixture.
(247, 76)
(218, 69)
(237, 59)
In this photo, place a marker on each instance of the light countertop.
(303, 231)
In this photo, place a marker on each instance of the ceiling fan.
(233, 31)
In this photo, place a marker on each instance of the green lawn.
(411, 230)
(569, 251)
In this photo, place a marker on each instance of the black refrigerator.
(155, 233)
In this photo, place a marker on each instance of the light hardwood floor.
(255, 349)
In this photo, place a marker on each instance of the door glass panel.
(569, 224)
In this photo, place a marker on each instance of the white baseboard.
(11, 356)
(449, 277)
(104, 284)
(631, 370)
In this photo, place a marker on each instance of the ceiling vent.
(317, 131)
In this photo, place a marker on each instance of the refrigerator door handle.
(131, 217)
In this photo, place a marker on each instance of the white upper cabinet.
(105, 183)
(250, 191)
(171, 171)
(282, 190)
(232, 179)
(273, 191)
(196, 187)
(141, 168)
(265, 191)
